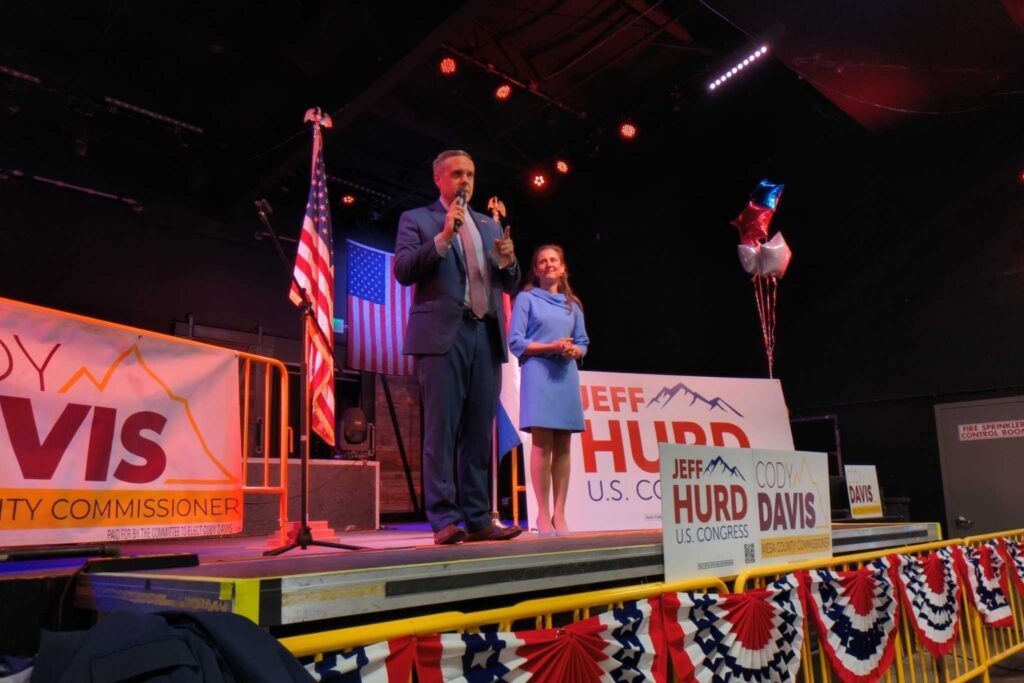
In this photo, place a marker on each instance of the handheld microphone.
(460, 198)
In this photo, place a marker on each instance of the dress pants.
(460, 395)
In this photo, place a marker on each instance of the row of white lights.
(750, 59)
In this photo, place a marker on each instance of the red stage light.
(503, 92)
(539, 180)
(561, 166)
(448, 66)
(628, 131)
(348, 200)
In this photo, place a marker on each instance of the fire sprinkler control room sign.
(726, 510)
(980, 431)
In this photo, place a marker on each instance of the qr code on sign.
(748, 553)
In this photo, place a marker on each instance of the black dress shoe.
(449, 535)
(493, 532)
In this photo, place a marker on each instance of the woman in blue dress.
(549, 337)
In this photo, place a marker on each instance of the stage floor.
(400, 569)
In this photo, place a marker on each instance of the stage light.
(739, 66)
(348, 199)
(628, 131)
(540, 181)
(503, 92)
(354, 425)
(448, 66)
(562, 167)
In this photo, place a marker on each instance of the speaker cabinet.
(344, 493)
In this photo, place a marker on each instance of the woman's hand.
(570, 350)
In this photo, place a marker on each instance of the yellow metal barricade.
(912, 662)
(543, 612)
(999, 643)
(976, 647)
(271, 369)
(516, 487)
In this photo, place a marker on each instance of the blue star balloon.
(767, 194)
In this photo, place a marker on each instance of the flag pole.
(495, 515)
(304, 534)
(498, 211)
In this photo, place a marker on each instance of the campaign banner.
(111, 434)
(863, 492)
(615, 480)
(726, 510)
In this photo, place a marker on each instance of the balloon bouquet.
(764, 259)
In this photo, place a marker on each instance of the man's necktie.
(477, 290)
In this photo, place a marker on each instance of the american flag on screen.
(314, 273)
(378, 309)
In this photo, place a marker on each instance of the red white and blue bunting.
(1013, 551)
(751, 636)
(857, 614)
(755, 637)
(931, 596)
(982, 568)
(387, 662)
(611, 647)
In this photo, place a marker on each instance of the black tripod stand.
(304, 537)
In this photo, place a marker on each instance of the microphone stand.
(304, 537)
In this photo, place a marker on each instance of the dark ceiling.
(232, 80)
(887, 122)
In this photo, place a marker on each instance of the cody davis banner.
(615, 482)
(109, 435)
(729, 509)
(862, 489)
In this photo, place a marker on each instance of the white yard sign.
(729, 509)
(862, 489)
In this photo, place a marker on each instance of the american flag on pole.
(378, 309)
(314, 273)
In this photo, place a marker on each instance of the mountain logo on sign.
(713, 467)
(669, 393)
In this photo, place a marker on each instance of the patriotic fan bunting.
(614, 646)
(1013, 552)
(752, 636)
(386, 662)
(982, 568)
(931, 596)
(857, 616)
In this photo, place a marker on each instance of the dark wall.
(100, 258)
(905, 289)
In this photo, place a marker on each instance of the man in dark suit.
(460, 262)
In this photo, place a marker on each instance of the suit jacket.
(438, 302)
(174, 646)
